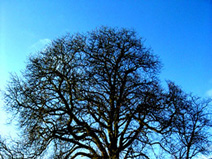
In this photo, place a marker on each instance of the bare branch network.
(97, 95)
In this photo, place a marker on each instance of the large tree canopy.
(95, 95)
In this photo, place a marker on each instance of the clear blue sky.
(179, 31)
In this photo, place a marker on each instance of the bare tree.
(191, 135)
(95, 95)
(10, 151)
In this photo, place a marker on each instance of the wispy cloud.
(41, 44)
(209, 93)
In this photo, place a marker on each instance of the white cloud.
(209, 93)
(39, 45)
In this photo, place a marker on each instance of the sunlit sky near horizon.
(178, 31)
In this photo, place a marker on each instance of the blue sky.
(178, 31)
